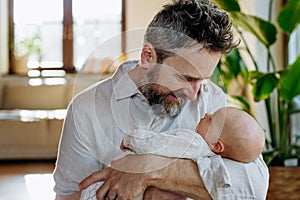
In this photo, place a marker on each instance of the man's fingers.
(94, 177)
(103, 192)
(111, 194)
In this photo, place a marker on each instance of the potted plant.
(24, 50)
(278, 86)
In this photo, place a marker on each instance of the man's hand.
(126, 177)
(153, 193)
(116, 184)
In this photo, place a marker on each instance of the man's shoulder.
(101, 93)
(89, 93)
(104, 87)
(106, 83)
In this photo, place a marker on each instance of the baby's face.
(209, 127)
(203, 125)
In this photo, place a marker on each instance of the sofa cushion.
(43, 97)
(15, 133)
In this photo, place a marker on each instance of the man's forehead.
(182, 70)
(193, 65)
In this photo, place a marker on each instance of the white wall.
(138, 14)
(3, 36)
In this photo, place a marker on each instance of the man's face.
(192, 65)
(169, 84)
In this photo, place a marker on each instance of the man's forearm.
(132, 174)
(181, 177)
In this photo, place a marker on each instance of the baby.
(230, 132)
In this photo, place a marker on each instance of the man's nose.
(192, 91)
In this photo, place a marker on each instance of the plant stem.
(268, 48)
(247, 49)
(283, 128)
(270, 10)
(270, 58)
(275, 142)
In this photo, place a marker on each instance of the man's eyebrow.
(195, 78)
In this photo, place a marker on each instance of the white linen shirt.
(99, 116)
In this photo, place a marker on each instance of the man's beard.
(163, 102)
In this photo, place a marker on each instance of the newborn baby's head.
(232, 133)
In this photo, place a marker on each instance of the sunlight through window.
(44, 37)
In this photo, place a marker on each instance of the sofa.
(32, 111)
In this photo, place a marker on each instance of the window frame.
(67, 42)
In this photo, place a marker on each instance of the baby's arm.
(179, 143)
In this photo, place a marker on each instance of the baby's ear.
(218, 147)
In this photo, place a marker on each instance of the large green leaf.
(263, 30)
(290, 84)
(216, 76)
(236, 65)
(264, 86)
(228, 5)
(232, 62)
(289, 17)
(255, 74)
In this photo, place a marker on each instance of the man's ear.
(218, 147)
(148, 54)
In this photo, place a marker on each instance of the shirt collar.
(124, 85)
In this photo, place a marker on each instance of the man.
(183, 45)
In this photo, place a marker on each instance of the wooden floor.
(33, 181)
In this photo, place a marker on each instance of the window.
(51, 37)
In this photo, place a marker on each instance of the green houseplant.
(277, 86)
(28, 46)
(26, 49)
